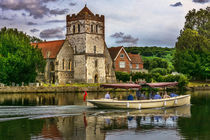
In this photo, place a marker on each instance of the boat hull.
(142, 104)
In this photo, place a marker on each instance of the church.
(83, 56)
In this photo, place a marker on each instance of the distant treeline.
(150, 51)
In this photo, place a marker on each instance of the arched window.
(78, 28)
(70, 63)
(52, 67)
(94, 49)
(91, 28)
(96, 63)
(96, 28)
(63, 64)
(75, 49)
(73, 29)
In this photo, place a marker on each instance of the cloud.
(122, 38)
(34, 30)
(5, 18)
(59, 12)
(73, 4)
(52, 33)
(36, 8)
(31, 23)
(176, 4)
(201, 1)
(55, 21)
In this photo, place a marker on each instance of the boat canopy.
(123, 86)
(162, 84)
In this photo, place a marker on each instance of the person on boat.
(130, 97)
(173, 95)
(107, 96)
(138, 94)
(150, 95)
(157, 96)
(166, 95)
(143, 97)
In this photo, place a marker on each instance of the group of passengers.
(142, 96)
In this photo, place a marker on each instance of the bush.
(122, 76)
(161, 71)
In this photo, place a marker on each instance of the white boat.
(142, 104)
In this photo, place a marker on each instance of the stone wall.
(109, 67)
(64, 64)
(96, 70)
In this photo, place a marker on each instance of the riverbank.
(74, 88)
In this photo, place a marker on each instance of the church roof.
(50, 48)
(85, 11)
(135, 58)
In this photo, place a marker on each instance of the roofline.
(125, 53)
(60, 47)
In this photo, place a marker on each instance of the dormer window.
(73, 29)
(91, 28)
(78, 28)
(121, 55)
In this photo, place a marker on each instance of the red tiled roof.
(85, 11)
(53, 47)
(135, 58)
(114, 51)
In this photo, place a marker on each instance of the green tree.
(193, 45)
(19, 61)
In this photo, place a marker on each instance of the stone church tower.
(85, 33)
(83, 56)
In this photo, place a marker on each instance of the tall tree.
(19, 61)
(193, 45)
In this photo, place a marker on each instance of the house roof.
(50, 48)
(85, 11)
(114, 51)
(135, 58)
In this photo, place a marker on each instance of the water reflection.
(66, 116)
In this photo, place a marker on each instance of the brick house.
(126, 62)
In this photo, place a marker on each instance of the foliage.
(161, 71)
(153, 77)
(153, 54)
(192, 54)
(19, 61)
(34, 39)
(122, 76)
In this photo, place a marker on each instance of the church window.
(70, 63)
(91, 28)
(94, 49)
(63, 63)
(96, 63)
(96, 28)
(75, 49)
(78, 28)
(122, 64)
(73, 29)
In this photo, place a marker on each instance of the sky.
(127, 22)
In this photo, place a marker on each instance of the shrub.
(122, 76)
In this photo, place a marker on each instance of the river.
(65, 116)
